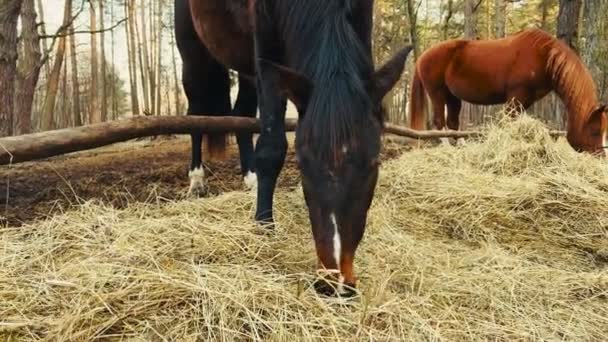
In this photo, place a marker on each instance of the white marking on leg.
(197, 181)
(461, 141)
(337, 251)
(251, 180)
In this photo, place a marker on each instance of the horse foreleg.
(271, 146)
(246, 105)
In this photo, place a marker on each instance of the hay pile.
(502, 239)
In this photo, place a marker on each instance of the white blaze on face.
(337, 240)
(337, 250)
(197, 180)
(251, 180)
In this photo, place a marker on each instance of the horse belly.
(224, 27)
(476, 90)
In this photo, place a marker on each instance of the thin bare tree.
(48, 118)
(95, 112)
(9, 14)
(29, 69)
(102, 84)
(500, 18)
(132, 60)
(76, 111)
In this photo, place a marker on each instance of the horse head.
(593, 137)
(337, 148)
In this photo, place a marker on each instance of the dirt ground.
(139, 171)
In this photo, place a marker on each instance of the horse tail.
(417, 103)
(216, 144)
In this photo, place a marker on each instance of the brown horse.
(523, 67)
(318, 54)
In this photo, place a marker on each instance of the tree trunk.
(65, 107)
(132, 61)
(53, 81)
(567, 22)
(57, 142)
(470, 32)
(95, 112)
(176, 85)
(9, 14)
(448, 17)
(412, 14)
(76, 112)
(544, 10)
(45, 44)
(29, 72)
(159, 28)
(114, 103)
(152, 56)
(500, 18)
(592, 19)
(102, 84)
(144, 56)
(470, 19)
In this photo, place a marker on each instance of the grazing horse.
(206, 82)
(523, 67)
(316, 53)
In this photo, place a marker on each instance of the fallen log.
(42, 145)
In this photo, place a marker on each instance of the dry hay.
(503, 239)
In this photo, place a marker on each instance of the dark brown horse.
(318, 54)
(523, 67)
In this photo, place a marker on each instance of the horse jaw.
(197, 182)
(250, 180)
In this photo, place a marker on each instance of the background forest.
(67, 63)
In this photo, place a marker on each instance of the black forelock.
(330, 53)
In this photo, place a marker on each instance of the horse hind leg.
(246, 105)
(453, 107)
(439, 117)
(207, 86)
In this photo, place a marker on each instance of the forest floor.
(137, 171)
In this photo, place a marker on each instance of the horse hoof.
(334, 290)
(445, 141)
(197, 192)
(265, 221)
(251, 180)
(461, 142)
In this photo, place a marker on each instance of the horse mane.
(330, 53)
(572, 80)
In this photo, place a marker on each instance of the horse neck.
(573, 83)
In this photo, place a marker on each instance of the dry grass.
(504, 239)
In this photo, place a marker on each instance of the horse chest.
(225, 28)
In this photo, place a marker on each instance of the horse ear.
(595, 117)
(289, 82)
(387, 76)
